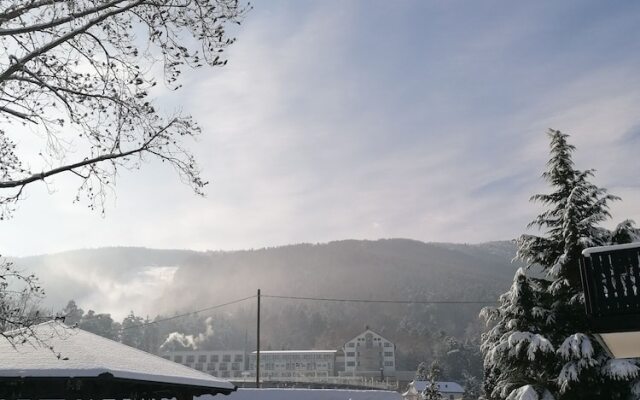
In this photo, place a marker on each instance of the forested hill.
(121, 279)
(389, 268)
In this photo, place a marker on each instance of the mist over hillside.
(163, 282)
(177, 280)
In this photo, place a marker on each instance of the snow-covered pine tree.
(517, 354)
(579, 368)
(432, 391)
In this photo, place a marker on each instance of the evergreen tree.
(539, 345)
(471, 388)
(72, 313)
(150, 337)
(132, 331)
(516, 350)
(432, 391)
(421, 373)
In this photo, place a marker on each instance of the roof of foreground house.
(55, 352)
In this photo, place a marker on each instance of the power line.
(189, 313)
(327, 299)
(98, 316)
(381, 301)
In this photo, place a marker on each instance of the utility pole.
(258, 345)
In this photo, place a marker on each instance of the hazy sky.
(370, 119)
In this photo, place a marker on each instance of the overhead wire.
(380, 301)
(304, 298)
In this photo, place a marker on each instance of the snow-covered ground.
(308, 394)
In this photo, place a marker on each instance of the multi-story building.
(285, 364)
(369, 354)
(223, 363)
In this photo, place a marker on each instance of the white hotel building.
(368, 354)
(284, 364)
(223, 363)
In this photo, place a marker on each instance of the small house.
(449, 390)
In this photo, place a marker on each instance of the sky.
(375, 119)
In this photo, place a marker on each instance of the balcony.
(611, 281)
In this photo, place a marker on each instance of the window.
(235, 366)
(199, 367)
(351, 354)
(388, 363)
(191, 359)
(351, 363)
(167, 357)
(388, 353)
(202, 358)
(211, 367)
(223, 366)
(214, 358)
(237, 358)
(387, 344)
(226, 358)
(351, 344)
(177, 359)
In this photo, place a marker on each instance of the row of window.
(202, 358)
(354, 344)
(213, 367)
(357, 363)
(311, 366)
(293, 356)
(270, 374)
(353, 354)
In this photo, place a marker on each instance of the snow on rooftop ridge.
(61, 351)
(600, 249)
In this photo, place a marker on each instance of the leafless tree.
(19, 295)
(77, 77)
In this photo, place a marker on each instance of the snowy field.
(307, 394)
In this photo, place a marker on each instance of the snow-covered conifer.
(573, 365)
(432, 391)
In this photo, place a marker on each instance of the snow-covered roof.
(60, 352)
(367, 329)
(599, 249)
(443, 387)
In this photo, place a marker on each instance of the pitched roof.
(367, 329)
(63, 352)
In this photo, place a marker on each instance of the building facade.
(369, 354)
(222, 364)
(287, 364)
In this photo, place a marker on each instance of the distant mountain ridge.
(391, 268)
(153, 281)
